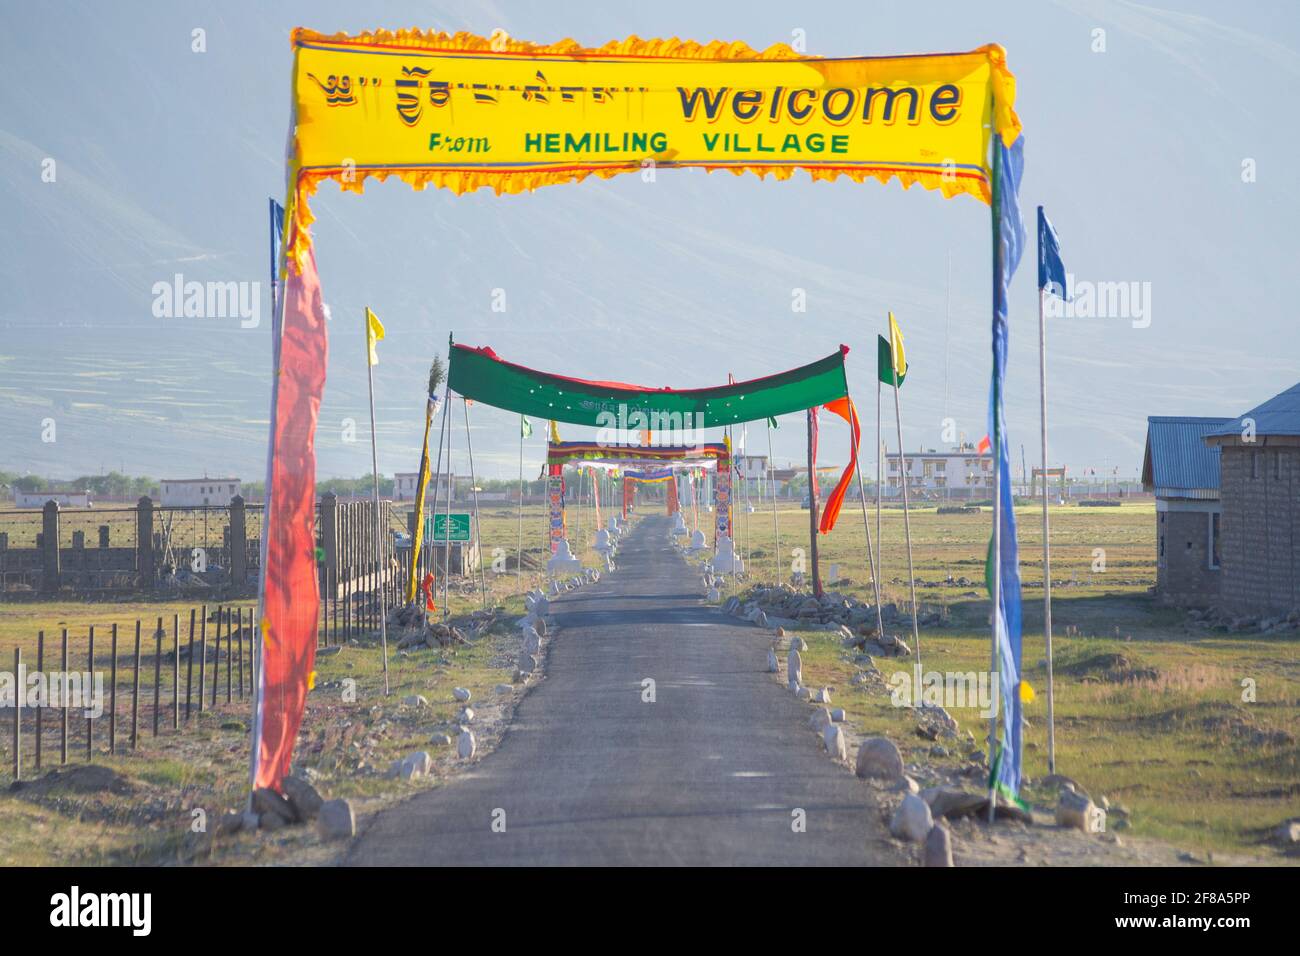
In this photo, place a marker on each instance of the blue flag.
(277, 232)
(1051, 270)
(1009, 246)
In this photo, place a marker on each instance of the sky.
(1158, 148)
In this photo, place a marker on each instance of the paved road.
(588, 773)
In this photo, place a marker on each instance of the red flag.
(984, 446)
(291, 596)
(844, 408)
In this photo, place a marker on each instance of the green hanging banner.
(481, 375)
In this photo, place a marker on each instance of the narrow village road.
(711, 773)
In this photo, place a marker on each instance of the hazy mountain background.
(166, 157)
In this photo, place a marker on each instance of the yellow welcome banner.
(463, 112)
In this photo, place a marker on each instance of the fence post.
(203, 654)
(40, 700)
(157, 674)
(238, 541)
(230, 647)
(329, 541)
(50, 546)
(112, 698)
(216, 660)
(176, 672)
(135, 690)
(63, 698)
(90, 721)
(144, 566)
(239, 611)
(189, 668)
(18, 710)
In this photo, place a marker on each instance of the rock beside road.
(912, 820)
(879, 759)
(336, 820)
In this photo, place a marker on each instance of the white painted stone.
(467, 746)
(836, 744)
(912, 820)
(462, 694)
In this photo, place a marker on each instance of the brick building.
(1259, 454)
(1183, 473)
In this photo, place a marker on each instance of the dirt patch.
(1110, 668)
(83, 780)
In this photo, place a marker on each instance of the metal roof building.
(1177, 462)
(1280, 415)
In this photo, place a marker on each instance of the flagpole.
(1047, 545)
(519, 557)
(996, 449)
(879, 480)
(776, 525)
(430, 552)
(907, 528)
(473, 487)
(812, 500)
(446, 524)
(374, 466)
(866, 526)
(279, 269)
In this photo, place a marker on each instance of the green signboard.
(436, 530)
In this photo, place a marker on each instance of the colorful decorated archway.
(463, 112)
(560, 453)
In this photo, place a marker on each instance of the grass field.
(1149, 711)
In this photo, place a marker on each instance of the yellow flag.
(1026, 693)
(374, 333)
(896, 348)
(555, 433)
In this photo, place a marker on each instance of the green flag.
(771, 422)
(885, 362)
(525, 427)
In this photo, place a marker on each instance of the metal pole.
(879, 480)
(374, 466)
(812, 503)
(519, 556)
(19, 689)
(866, 525)
(430, 555)
(776, 525)
(446, 528)
(280, 272)
(907, 530)
(473, 484)
(1047, 545)
(995, 664)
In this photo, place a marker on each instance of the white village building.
(197, 492)
(64, 499)
(962, 472)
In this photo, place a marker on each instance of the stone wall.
(1183, 573)
(1260, 548)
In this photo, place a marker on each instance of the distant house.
(1183, 473)
(65, 499)
(405, 482)
(960, 472)
(197, 492)
(1259, 458)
